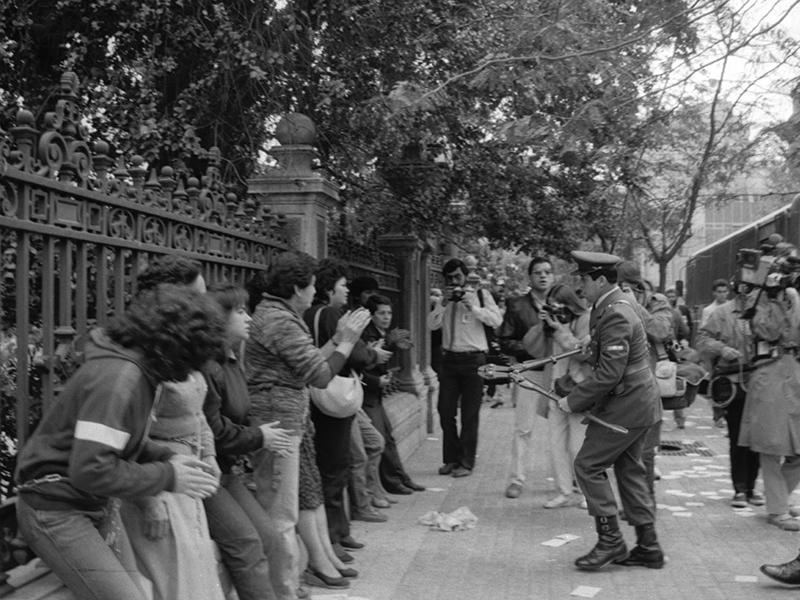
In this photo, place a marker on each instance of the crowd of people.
(744, 351)
(191, 421)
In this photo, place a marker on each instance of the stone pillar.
(408, 250)
(429, 376)
(295, 189)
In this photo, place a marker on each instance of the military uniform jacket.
(621, 387)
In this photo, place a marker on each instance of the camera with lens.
(456, 294)
(559, 312)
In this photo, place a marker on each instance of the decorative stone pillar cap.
(296, 129)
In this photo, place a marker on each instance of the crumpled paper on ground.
(460, 519)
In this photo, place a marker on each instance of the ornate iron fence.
(77, 225)
(368, 259)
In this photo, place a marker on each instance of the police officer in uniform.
(621, 390)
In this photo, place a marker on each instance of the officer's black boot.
(788, 573)
(647, 552)
(610, 546)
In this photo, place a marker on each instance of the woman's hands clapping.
(351, 324)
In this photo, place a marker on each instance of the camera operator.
(726, 343)
(462, 316)
(566, 317)
(770, 420)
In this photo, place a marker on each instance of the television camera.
(771, 270)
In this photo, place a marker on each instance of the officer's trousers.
(603, 449)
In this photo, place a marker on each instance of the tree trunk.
(662, 275)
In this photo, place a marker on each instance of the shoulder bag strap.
(316, 327)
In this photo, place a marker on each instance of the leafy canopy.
(460, 118)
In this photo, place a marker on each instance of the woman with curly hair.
(282, 362)
(92, 445)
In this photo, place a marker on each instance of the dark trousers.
(332, 443)
(603, 449)
(460, 389)
(744, 462)
(651, 443)
(392, 472)
(238, 524)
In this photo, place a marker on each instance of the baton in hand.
(519, 379)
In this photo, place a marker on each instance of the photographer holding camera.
(567, 320)
(770, 420)
(725, 341)
(462, 316)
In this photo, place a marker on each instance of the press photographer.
(462, 316)
(725, 342)
(770, 423)
(566, 324)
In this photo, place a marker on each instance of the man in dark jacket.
(522, 314)
(621, 390)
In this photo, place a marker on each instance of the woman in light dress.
(169, 531)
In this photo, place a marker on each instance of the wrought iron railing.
(77, 225)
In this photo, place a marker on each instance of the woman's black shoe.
(342, 554)
(349, 543)
(400, 489)
(348, 572)
(414, 486)
(318, 579)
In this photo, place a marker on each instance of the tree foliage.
(699, 134)
(513, 120)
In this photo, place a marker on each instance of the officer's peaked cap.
(592, 262)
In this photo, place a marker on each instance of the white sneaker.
(558, 502)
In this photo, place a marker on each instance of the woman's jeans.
(73, 544)
(238, 524)
(277, 490)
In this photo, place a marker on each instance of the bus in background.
(718, 260)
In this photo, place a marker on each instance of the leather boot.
(788, 573)
(647, 552)
(610, 546)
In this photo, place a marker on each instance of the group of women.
(167, 438)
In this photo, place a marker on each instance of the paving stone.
(503, 557)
